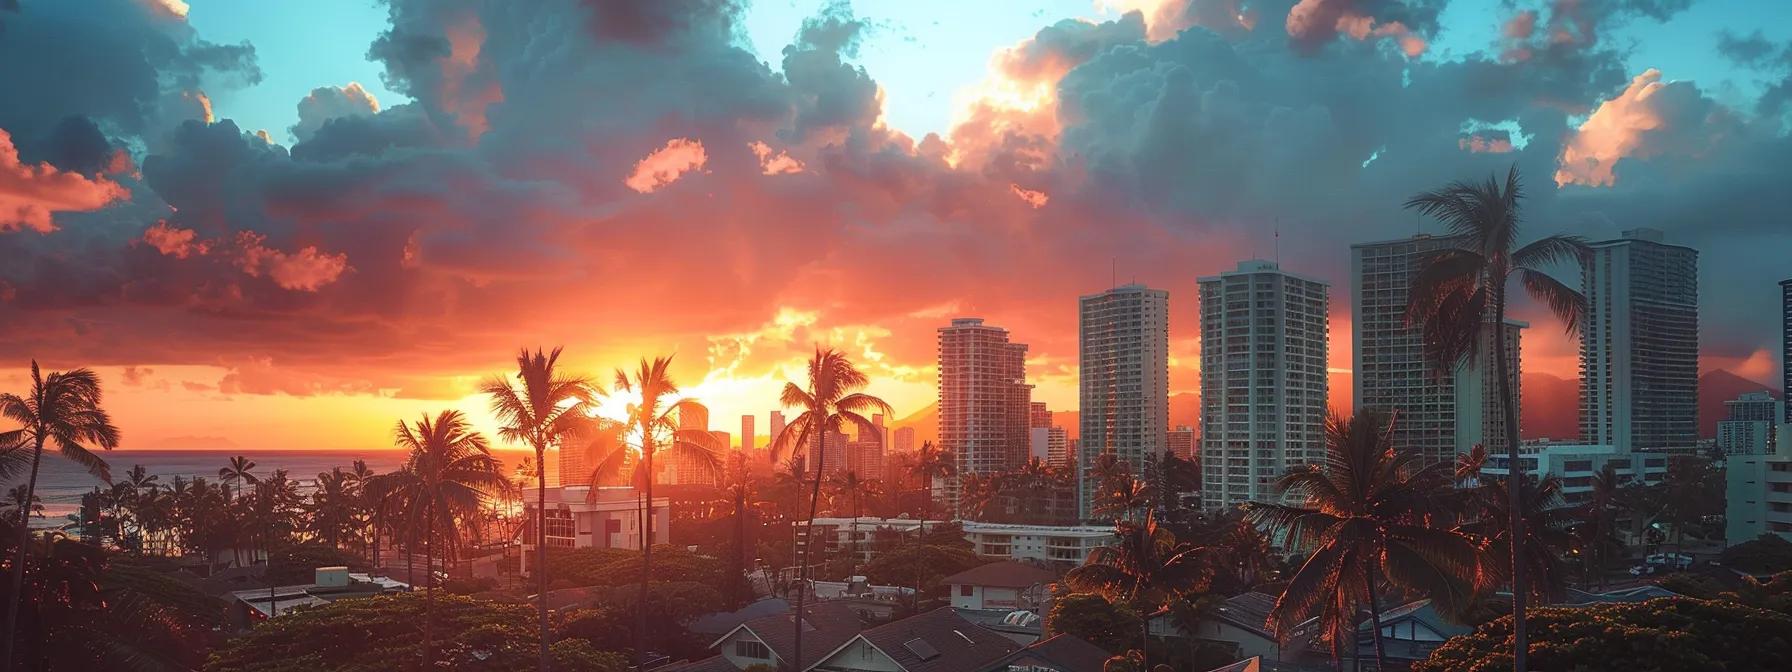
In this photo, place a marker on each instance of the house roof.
(936, 641)
(1249, 611)
(1060, 652)
(826, 625)
(1004, 574)
(715, 663)
(1251, 664)
(1641, 593)
(722, 622)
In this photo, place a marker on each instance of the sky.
(289, 224)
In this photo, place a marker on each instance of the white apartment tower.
(1124, 379)
(1439, 416)
(1639, 355)
(984, 398)
(1263, 380)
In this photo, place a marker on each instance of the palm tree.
(540, 409)
(1123, 499)
(975, 493)
(1546, 524)
(654, 415)
(1460, 290)
(1596, 531)
(332, 508)
(449, 473)
(929, 464)
(1147, 566)
(832, 403)
(15, 500)
(849, 485)
(1368, 513)
(62, 409)
(238, 473)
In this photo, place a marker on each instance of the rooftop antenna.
(1113, 273)
(1278, 244)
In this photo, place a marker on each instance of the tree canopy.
(1661, 634)
(379, 633)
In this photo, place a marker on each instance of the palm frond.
(1566, 303)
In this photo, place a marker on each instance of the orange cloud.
(666, 164)
(1317, 20)
(1477, 143)
(777, 163)
(1649, 118)
(175, 242)
(175, 9)
(465, 92)
(305, 270)
(29, 194)
(1034, 198)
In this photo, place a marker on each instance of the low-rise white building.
(580, 516)
(1758, 494)
(1001, 585)
(329, 584)
(1575, 464)
(1053, 546)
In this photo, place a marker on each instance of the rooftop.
(936, 641)
(1004, 574)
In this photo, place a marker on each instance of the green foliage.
(608, 621)
(1767, 554)
(383, 633)
(1113, 627)
(898, 567)
(1661, 634)
(298, 563)
(579, 567)
(950, 535)
(469, 585)
(1692, 585)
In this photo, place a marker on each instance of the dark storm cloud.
(495, 206)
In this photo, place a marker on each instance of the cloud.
(1649, 118)
(135, 375)
(774, 163)
(174, 242)
(666, 164)
(1033, 198)
(304, 270)
(326, 103)
(1313, 23)
(31, 194)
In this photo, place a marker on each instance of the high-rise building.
(1748, 426)
(1123, 386)
(578, 461)
(693, 415)
(1786, 348)
(1181, 442)
(1263, 380)
(1439, 415)
(1640, 344)
(777, 429)
(747, 439)
(680, 468)
(865, 457)
(903, 439)
(1048, 445)
(984, 398)
(1038, 415)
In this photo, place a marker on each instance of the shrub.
(1660, 634)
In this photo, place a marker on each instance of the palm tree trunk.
(429, 590)
(18, 558)
(1381, 656)
(802, 588)
(541, 550)
(646, 546)
(1514, 476)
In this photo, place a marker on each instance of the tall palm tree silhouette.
(930, 464)
(238, 473)
(654, 413)
(831, 403)
(449, 472)
(540, 409)
(62, 410)
(1459, 294)
(1369, 513)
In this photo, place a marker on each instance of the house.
(1024, 627)
(253, 605)
(771, 640)
(581, 516)
(1058, 653)
(1001, 585)
(936, 641)
(1409, 633)
(1243, 622)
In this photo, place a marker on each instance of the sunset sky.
(284, 224)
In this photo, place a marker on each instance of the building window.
(613, 526)
(964, 591)
(751, 649)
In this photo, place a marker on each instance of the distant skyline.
(733, 185)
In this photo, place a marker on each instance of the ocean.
(60, 483)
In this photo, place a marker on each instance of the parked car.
(1674, 560)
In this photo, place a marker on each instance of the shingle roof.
(828, 625)
(1004, 574)
(714, 663)
(1061, 652)
(937, 641)
(1249, 611)
(1252, 664)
